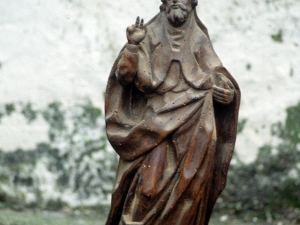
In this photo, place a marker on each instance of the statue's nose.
(175, 1)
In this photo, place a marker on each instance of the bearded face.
(178, 11)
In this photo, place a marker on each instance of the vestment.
(175, 143)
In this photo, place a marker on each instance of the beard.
(177, 16)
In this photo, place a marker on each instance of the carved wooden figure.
(171, 115)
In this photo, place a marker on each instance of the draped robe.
(174, 141)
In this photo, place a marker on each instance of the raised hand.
(136, 32)
(223, 95)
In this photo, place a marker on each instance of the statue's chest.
(174, 80)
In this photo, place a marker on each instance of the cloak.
(173, 159)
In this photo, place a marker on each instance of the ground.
(83, 217)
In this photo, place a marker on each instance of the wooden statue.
(171, 115)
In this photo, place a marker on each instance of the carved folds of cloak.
(174, 146)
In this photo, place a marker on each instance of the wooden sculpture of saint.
(171, 112)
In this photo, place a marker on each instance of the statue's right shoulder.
(154, 20)
(155, 28)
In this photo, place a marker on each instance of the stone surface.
(57, 51)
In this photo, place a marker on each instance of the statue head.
(178, 10)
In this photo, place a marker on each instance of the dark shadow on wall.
(270, 186)
(76, 159)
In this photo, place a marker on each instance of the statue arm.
(134, 65)
(223, 89)
(128, 64)
(145, 80)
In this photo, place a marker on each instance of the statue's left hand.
(223, 95)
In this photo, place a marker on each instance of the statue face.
(176, 3)
(178, 11)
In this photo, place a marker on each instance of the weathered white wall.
(63, 50)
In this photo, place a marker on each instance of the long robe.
(174, 141)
